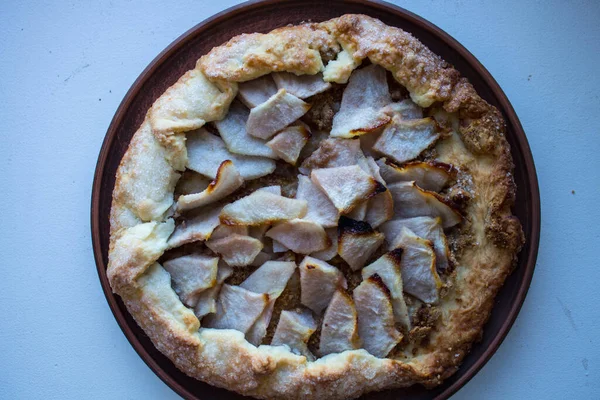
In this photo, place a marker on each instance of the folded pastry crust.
(140, 226)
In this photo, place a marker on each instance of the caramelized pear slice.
(271, 278)
(412, 201)
(426, 228)
(237, 308)
(357, 241)
(331, 251)
(388, 268)
(191, 274)
(294, 329)
(207, 299)
(288, 143)
(339, 331)
(262, 207)
(320, 209)
(223, 231)
(362, 105)
(276, 113)
(236, 250)
(191, 182)
(256, 91)
(198, 227)
(333, 152)
(406, 109)
(206, 152)
(375, 317)
(419, 275)
(347, 186)
(299, 235)
(403, 140)
(227, 181)
(380, 208)
(232, 129)
(318, 282)
(427, 175)
(301, 86)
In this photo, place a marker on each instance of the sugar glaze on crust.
(140, 223)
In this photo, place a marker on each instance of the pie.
(316, 212)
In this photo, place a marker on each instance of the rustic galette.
(316, 212)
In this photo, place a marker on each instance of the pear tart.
(316, 212)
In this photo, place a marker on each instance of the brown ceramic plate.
(263, 16)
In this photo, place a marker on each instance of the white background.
(66, 65)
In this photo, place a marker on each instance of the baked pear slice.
(339, 331)
(191, 182)
(403, 141)
(331, 251)
(191, 274)
(278, 247)
(299, 235)
(262, 207)
(288, 143)
(301, 86)
(376, 317)
(387, 267)
(412, 201)
(294, 329)
(347, 186)
(271, 278)
(275, 189)
(362, 105)
(236, 250)
(227, 181)
(256, 91)
(333, 152)
(359, 213)
(380, 208)
(223, 231)
(232, 129)
(279, 111)
(318, 282)
(320, 209)
(427, 175)
(207, 299)
(237, 308)
(406, 109)
(261, 258)
(417, 266)
(426, 228)
(198, 227)
(357, 241)
(206, 152)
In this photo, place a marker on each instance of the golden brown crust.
(224, 358)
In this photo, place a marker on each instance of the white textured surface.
(64, 68)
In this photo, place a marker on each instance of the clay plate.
(263, 16)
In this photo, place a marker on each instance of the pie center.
(319, 216)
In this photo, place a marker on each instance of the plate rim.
(509, 113)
